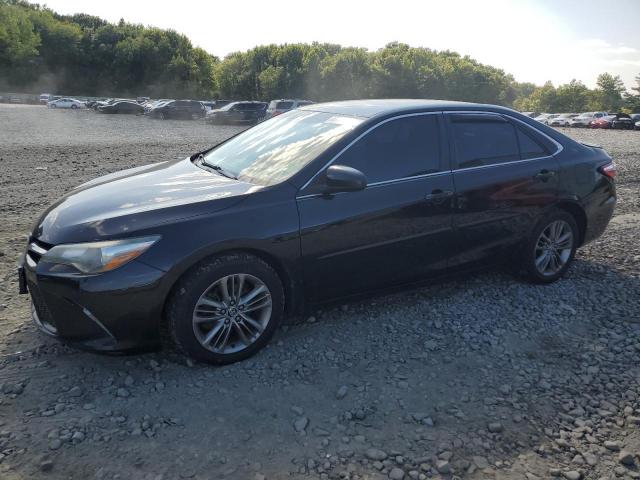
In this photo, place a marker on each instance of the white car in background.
(66, 103)
(546, 117)
(584, 119)
(561, 120)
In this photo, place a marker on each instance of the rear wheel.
(162, 116)
(551, 247)
(226, 309)
(73, 107)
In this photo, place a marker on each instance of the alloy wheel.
(232, 313)
(553, 248)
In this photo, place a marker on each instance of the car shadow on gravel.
(489, 375)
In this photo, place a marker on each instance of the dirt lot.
(481, 377)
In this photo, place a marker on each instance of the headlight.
(97, 257)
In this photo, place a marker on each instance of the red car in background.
(616, 121)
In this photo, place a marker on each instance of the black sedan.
(320, 203)
(178, 109)
(622, 121)
(235, 113)
(131, 108)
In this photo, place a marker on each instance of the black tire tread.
(208, 268)
(526, 262)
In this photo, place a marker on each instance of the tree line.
(80, 54)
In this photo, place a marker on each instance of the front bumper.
(113, 312)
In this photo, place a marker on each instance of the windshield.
(274, 150)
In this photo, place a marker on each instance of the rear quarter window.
(284, 105)
(532, 144)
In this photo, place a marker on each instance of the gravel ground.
(479, 377)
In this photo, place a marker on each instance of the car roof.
(375, 107)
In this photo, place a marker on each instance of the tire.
(53, 106)
(189, 332)
(73, 107)
(162, 116)
(534, 248)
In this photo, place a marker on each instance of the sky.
(534, 40)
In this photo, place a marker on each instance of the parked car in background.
(142, 99)
(532, 114)
(178, 109)
(621, 121)
(603, 122)
(216, 104)
(151, 104)
(216, 249)
(107, 101)
(45, 98)
(543, 117)
(124, 106)
(584, 119)
(277, 107)
(561, 120)
(238, 113)
(92, 103)
(71, 103)
(636, 119)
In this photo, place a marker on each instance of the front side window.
(483, 141)
(274, 150)
(401, 148)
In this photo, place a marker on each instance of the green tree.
(571, 97)
(18, 41)
(609, 92)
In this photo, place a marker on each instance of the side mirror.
(340, 178)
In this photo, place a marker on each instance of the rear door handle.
(438, 194)
(545, 175)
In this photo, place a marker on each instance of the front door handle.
(545, 175)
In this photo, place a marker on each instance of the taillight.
(608, 170)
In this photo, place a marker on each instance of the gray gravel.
(479, 377)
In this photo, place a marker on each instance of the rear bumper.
(114, 312)
(599, 209)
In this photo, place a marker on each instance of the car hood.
(137, 199)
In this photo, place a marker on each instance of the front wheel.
(226, 309)
(551, 247)
(73, 107)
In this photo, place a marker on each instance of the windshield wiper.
(216, 168)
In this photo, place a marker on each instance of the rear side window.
(483, 140)
(400, 148)
(284, 105)
(529, 147)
